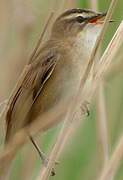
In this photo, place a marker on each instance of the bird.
(55, 72)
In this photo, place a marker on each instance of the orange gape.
(96, 21)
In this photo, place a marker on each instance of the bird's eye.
(80, 19)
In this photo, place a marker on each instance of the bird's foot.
(45, 161)
(85, 109)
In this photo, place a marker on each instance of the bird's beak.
(98, 19)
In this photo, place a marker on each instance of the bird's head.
(75, 21)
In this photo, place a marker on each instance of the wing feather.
(35, 78)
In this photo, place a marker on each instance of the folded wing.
(38, 73)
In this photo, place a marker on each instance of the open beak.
(98, 19)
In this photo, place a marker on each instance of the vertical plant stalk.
(101, 120)
(70, 4)
(93, 4)
(102, 135)
(113, 164)
(35, 51)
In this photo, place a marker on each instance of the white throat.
(86, 41)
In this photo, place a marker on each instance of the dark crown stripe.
(73, 11)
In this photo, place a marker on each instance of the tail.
(9, 115)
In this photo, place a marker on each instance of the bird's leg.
(41, 154)
(85, 109)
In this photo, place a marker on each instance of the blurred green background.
(81, 158)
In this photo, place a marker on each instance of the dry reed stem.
(94, 4)
(100, 38)
(107, 57)
(116, 68)
(110, 52)
(60, 6)
(54, 11)
(113, 164)
(70, 4)
(20, 138)
(32, 57)
(110, 168)
(102, 124)
(102, 134)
